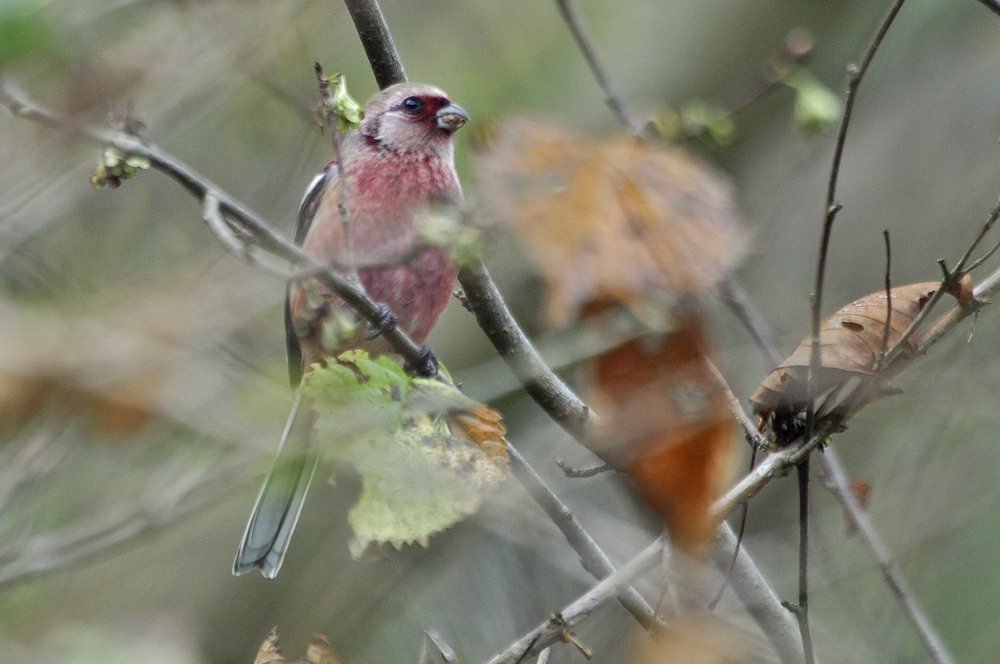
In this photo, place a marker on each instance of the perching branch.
(377, 41)
(258, 233)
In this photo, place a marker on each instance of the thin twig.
(587, 471)
(854, 76)
(756, 440)
(801, 610)
(332, 119)
(555, 626)
(593, 559)
(888, 295)
(759, 599)
(949, 277)
(614, 96)
(736, 299)
(840, 485)
(992, 5)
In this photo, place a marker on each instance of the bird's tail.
(281, 498)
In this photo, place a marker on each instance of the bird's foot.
(426, 365)
(385, 322)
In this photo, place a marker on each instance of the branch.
(377, 41)
(233, 211)
(854, 76)
(552, 630)
(512, 344)
(593, 559)
(840, 486)
(992, 5)
(759, 599)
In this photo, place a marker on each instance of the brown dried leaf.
(269, 653)
(615, 220)
(321, 652)
(851, 341)
(962, 290)
(667, 424)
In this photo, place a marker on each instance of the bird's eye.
(412, 104)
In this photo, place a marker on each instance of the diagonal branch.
(840, 486)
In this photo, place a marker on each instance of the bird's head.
(412, 117)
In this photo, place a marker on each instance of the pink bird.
(400, 159)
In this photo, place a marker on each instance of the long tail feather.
(282, 496)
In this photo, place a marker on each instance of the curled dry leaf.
(851, 342)
(616, 220)
(269, 653)
(666, 422)
(320, 651)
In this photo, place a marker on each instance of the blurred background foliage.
(140, 359)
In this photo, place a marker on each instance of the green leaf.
(349, 111)
(817, 108)
(419, 473)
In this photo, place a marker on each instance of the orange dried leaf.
(617, 220)
(690, 640)
(851, 341)
(667, 424)
(861, 491)
(269, 653)
(483, 426)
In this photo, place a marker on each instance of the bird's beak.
(451, 118)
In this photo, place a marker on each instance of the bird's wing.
(307, 211)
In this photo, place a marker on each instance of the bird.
(399, 160)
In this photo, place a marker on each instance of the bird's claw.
(426, 365)
(385, 322)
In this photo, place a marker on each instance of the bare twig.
(593, 559)
(949, 277)
(331, 118)
(614, 96)
(588, 471)
(801, 610)
(854, 76)
(992, 5)
(544, 386)
(888, 295)
(377, 41)
(736, 299)
(840, 485)
(760, 600)
(555, 626)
